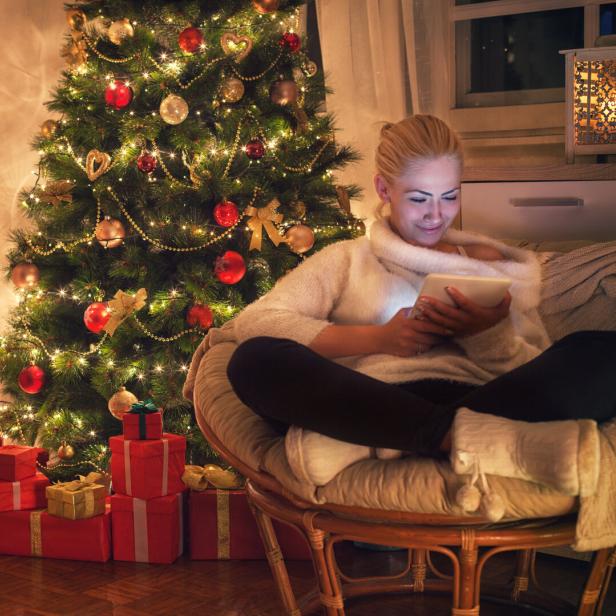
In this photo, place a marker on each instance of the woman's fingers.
(445, 321)
(431, 327)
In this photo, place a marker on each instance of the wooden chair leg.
(596, 579)
(418, 570)
(276, 561)
(330, 594)
(520, 581)
(468, 576)
(611, 565)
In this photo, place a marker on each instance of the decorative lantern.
(590, 101)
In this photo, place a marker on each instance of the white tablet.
(482, 290)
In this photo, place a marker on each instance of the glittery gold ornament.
(310, 68)
(119, 30)
(361, 227)
(120, 402)
(300, 238)
(97, 164)
(110, 232)
(238, 46)
(266, 6)
(25, 275)
(173, 109)
(66, 452)
(283, 92)
(49, 128)
(232, 90)
(76, 19)
(299, 209)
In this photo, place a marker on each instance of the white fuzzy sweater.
(367, 280)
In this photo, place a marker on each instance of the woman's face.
(424, 201)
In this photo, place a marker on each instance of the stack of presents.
(156, 508)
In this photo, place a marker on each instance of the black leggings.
(287, 383)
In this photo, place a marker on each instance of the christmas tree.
(189, 166)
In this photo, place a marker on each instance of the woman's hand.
(406, 337)
(466, 317)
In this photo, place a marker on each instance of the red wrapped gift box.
(25, 494)
(17, 462)
(142, 427)
(148, 469)
(148, 531)
(223, 527)
(36, 533)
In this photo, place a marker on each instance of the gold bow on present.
(264, 217)
(82, 483)
(122, 306)
(199, 478)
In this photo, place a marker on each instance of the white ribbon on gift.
(165, 479)
(140, 528)
(16, 496)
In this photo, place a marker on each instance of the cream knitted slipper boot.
(563, 455)
(317, 459)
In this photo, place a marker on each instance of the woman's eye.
(415, 200)
(450, 198)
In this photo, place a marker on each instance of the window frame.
(524, 124)
(496, 8)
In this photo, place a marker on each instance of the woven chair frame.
(468, 543)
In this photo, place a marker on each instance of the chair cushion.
(419, 485)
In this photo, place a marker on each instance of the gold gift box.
(77, 500)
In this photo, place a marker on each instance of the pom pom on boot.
(563, 455)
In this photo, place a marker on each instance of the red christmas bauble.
(31, 379)
(190, 39)
(146, 162)
(96, 316)
(291, 41)
(255, 149)
(200, 315)
(118, 95)
(226, 213)
(230, 268)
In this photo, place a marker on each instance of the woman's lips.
(431, 230)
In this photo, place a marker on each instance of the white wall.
(31, 34)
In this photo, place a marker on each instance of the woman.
(331, 351)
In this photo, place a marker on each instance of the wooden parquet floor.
(30, 586)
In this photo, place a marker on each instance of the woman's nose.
(434, 210)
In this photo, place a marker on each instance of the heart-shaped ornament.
(97, 164)
(238, 46)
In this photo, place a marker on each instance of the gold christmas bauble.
(76, 19)
(119, 30)
(283, 92)
(66, 452)
(110, 233)
(120, 402)
(266, 6)
(310, 68)
(299, 209)
(48, 128)
(300, 238)
(232, 90)
(25, 275)
(174, 109)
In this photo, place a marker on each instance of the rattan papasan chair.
(408, 502)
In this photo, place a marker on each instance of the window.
(506, 51)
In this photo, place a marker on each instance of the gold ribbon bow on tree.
(122, 306)
(264, 217)
(198, 478)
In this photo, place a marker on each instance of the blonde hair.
(409, 142)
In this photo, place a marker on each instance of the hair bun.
(386, 126)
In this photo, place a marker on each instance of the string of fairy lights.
(171, 66)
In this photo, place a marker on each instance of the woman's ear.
(382, 190)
